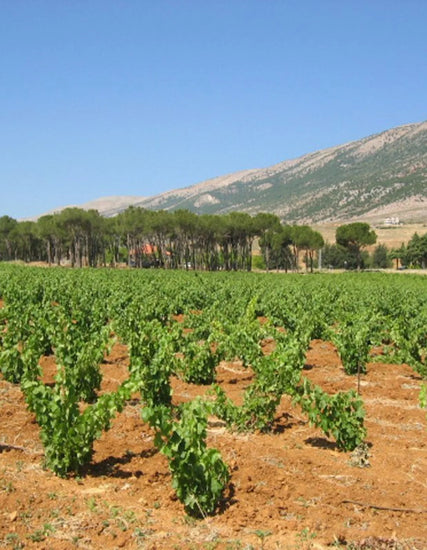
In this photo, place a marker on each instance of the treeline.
(413, 255)
(146, 238)
(184, 240)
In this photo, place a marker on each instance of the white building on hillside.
(392, 221)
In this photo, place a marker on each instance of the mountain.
(379, 176)
(383, 175)
(107, 206)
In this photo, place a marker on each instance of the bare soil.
(289, 489)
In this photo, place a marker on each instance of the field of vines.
(162, 409)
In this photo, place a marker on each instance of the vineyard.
(154, 409)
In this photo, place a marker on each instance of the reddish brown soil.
(289, 489)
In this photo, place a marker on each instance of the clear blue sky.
(136, 97)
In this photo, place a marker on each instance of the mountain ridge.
(381, 175)
(385, 173)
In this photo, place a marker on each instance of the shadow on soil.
(228, 499)
(321, 443)
(111, 466)
(284, 422)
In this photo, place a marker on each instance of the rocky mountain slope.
(107, 206)
(378, 176)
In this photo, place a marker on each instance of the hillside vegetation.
(378, 176)
(368, 180)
